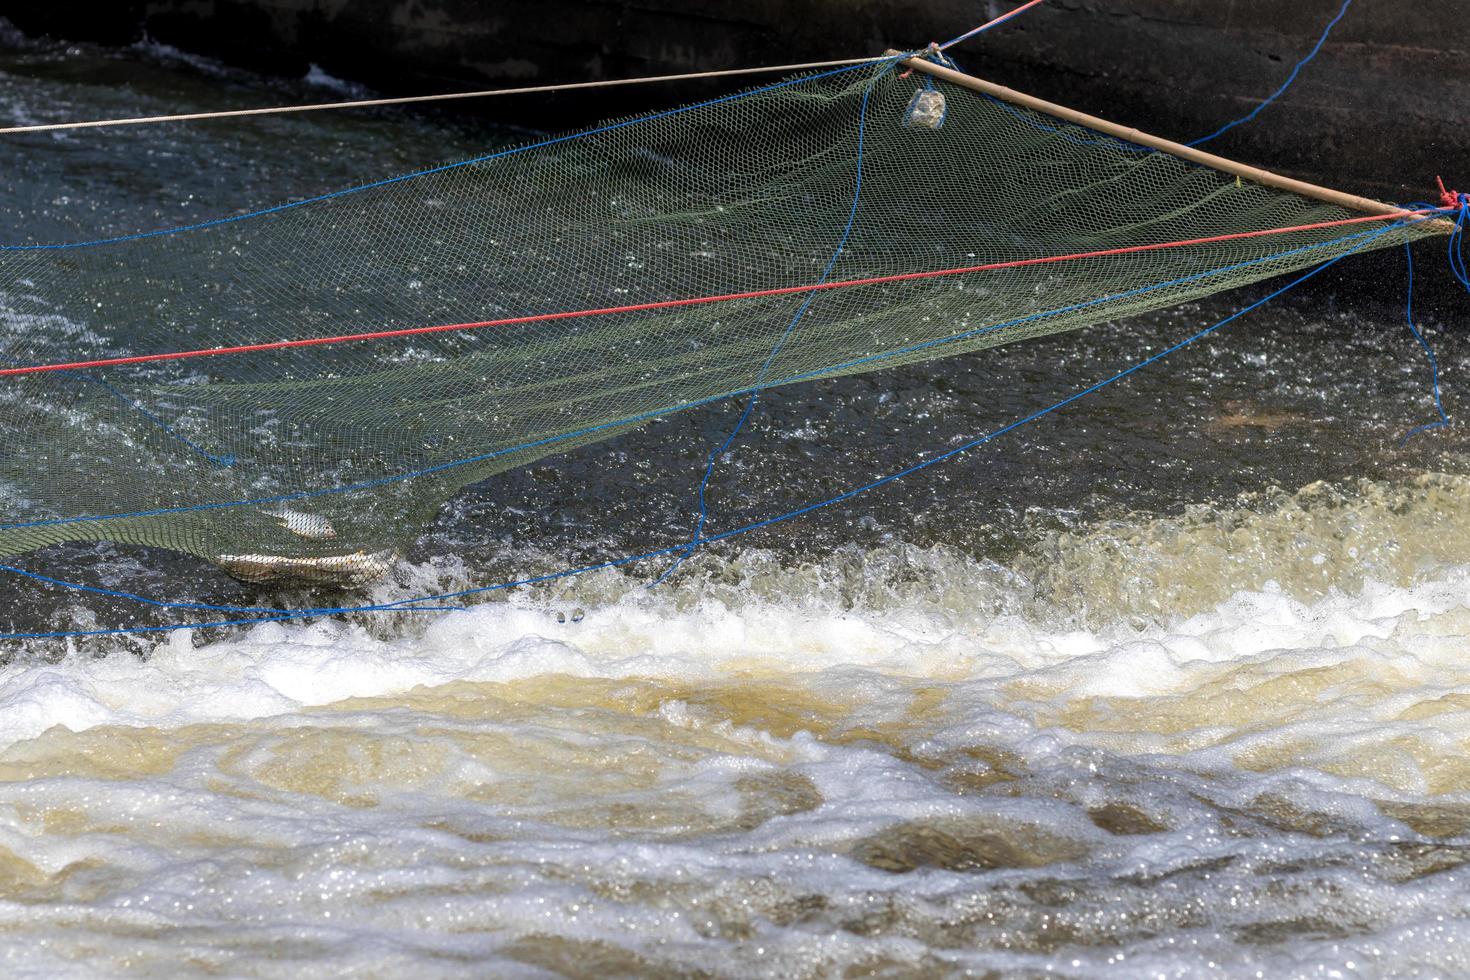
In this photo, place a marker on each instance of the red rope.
(676, 303)
(1450, 199)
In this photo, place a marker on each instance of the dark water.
(1171, 681)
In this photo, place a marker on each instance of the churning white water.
(1272, 783)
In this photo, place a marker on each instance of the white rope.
(404, 100)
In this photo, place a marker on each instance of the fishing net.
(336, 455)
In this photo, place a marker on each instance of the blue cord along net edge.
(1363, 237)
(412, 605)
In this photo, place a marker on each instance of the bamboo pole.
(1255, 174)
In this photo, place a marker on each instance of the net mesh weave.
(750, 193)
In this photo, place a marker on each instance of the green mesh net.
(337, 455)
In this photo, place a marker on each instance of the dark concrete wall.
(1379, 111)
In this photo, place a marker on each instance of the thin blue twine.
(1456, 245)
(1455, 253)
(1443, 419)
(718, 453)
(223, 462)
(1284, 85)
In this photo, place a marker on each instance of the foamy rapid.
(687, 782)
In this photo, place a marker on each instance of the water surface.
(1173, 682)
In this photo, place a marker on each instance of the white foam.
(274, 668)
(736, 779)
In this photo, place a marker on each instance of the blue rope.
(1284, 85)
(1443, 419)
(717, 454)
(224, 462)
(410, 605)
(670, 409)
(1456, 245)
(1455, 253)
(94, 590)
